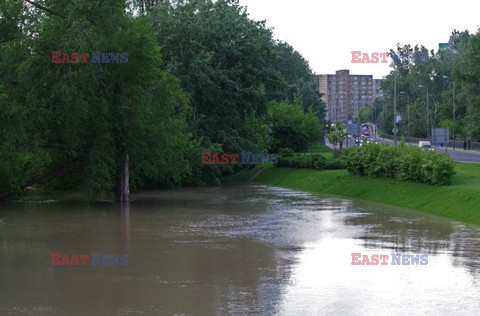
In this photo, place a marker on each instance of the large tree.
(467, 74)
(222, 58)
(294, 77)
(292, 126)
(101, 126)
(449, 78)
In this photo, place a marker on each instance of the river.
(242, 250)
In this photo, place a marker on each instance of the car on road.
(368, 140)
(362, 140)
(425, 145)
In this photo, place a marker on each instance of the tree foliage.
(451, 78)
(85, 117)
(199, 77)
(292, 127)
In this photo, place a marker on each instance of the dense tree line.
(452, 79)
(201, 76)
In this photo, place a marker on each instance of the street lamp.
(395, 110)
(408, 115)
(428, 132)
(453, 110)
(384, 124)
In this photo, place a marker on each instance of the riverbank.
(459, 201)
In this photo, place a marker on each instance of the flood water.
(242, 250)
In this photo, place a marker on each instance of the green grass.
(458, 201)
(321, 149)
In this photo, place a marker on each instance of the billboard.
(440, 136)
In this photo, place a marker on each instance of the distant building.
(442, 46)
(345, 94)
(378, 89)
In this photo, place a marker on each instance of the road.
(460, 155)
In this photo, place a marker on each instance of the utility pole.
(408, 118)
(395, 110)
(453, 111)
(428, 117)
(408, 115)
(428, 133)
(384, 125)
(453, 125)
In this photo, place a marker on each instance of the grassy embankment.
(458, 201)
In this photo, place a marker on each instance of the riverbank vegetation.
(408, 163)
(201, 76)
(458, 201)
(311, 160)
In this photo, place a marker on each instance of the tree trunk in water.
(122, 187)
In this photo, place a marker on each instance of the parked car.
(372, 140)
(363, 140)
(425, 145)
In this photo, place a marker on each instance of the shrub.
(354, 161)
(403, 163)
(288, 159)
(292, 127)
(286, 152)
(383, 161)
(409, 166)
(438, 169)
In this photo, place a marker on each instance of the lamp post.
(453, 111)
(384, 124)
(395, 110)
(428, 133)
(408, 115)
(453, 125)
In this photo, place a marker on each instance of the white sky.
(325, 32)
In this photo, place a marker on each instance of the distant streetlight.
(395, 109)
(408, 115)
(384, 124)
(453, 110)
(428, 131)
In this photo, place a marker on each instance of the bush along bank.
(289, 159)
(402, 163)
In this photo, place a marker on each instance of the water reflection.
(233, 250)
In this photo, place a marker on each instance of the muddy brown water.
(234, 250)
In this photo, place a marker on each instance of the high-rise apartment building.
(378, 89)
(346, 94)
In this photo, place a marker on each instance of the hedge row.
(289, 159)
(403, 163)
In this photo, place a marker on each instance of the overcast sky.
(326, 32)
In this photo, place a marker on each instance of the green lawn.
(321, 149)
(459, 201)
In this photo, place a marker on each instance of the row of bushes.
(289, 159)
(403, 163)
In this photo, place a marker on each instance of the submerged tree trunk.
(122, 187)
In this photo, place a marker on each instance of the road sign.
(399, 118)
(353, 129)
(440, 136)
(395, 130)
